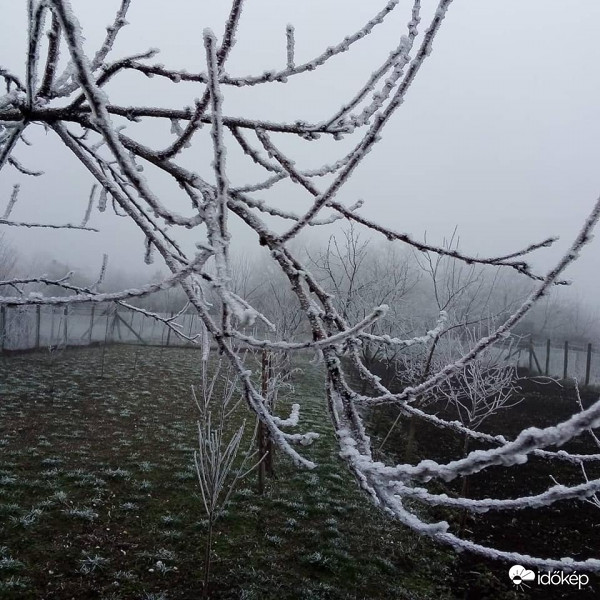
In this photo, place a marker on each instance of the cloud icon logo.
(520, 574)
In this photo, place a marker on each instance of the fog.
(497, 136)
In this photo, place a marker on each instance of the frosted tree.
(68, 96)
(482, 388)
(359, 275)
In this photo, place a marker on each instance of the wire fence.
(38, 327)
(561, 360)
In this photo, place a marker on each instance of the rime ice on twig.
(220, 58)
(91, 295)
(111, 34)
(13, 200)
(102, 274)
(52, 58)
(37, 12)
(8, 143)
(322, 58)
(290, 46)
(19, 167)
(88, 211)
(28, 225)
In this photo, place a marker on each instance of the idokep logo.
(521, 576)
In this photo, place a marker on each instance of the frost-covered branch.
(89, 294)
(218, 63)
(407, 343)
(13, 200)
(332, 340)
(321, 59)
(509, 454)
(52, 57)
(83, 227)
(550, 496)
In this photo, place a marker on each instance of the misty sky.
(498, 135)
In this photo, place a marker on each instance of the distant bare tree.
(263, 284)
(359, 275)
(73, 104)
(482, 388)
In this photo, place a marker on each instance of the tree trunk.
(207, 557)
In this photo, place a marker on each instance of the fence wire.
(33, 327)
(38, 327)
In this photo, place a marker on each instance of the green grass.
(99, 499)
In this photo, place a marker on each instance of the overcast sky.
(498, 135)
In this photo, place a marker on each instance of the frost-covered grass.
(87, 514)
(98, 496)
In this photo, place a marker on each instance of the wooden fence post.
(38, 319)
(116, 324)
(90, 337)
(142, 321)
(169, 330)
(530, 357)
(3, 327)
(547, 371)
(535, 359)
(51, 326)
(588, 364)
(105, 340)
(566, 360)
(66, 325)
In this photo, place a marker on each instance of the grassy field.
(99, 498)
